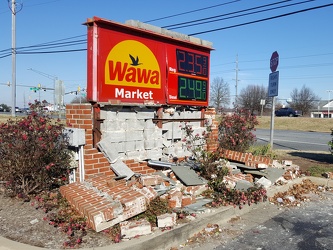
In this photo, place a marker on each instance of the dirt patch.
(22, 222)
(306, 160)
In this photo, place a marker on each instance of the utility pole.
(13, 9)
(236, 85)
(54, 78)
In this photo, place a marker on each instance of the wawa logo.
(131, 63)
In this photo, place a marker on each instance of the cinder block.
(154, 133)
(130, 146)
(150, 180)
(130, 229)
(115, 136)
(154, 154)
(166, 220)
(124, 115)
(173, 134)
(145, 115)
(134, 135)
(139, 145)
(110, 115)
(149, 144)
(148, 124)
(159, 143)
(134, 124)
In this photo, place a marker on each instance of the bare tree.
(249, 98)
(219, 93)
(79, 99)
(303, 99)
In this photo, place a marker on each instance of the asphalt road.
(294, 140)
(309, 227)
(273, 227)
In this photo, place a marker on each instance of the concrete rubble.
(107, 201)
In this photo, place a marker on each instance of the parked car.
(287, 112)
(18, 110)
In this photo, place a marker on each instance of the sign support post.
(273, 89)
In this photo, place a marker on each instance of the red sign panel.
(128, 65)
(274, 62)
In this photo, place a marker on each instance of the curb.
(179, 234)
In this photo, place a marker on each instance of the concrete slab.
(188, 176)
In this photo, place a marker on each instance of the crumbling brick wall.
(95, 162)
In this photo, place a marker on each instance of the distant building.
(324, 110)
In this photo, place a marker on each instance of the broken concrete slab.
(272, 174)
(167, 220)
(243, 185)
(264, 182)
(199, 205)
(121, 169)
(188, 176)
(131, 229)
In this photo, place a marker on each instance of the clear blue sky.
(304, 41)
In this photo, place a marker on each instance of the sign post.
(273, 87)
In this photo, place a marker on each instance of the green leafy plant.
(263, 150)
(34, 153)
(235, 130)
(155, 208)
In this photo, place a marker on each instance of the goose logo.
(131, 63)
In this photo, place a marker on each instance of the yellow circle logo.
(131, 63)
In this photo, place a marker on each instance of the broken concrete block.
(243, 185)
(121, 169)
(277, 164)
(264, 182)
(287, 162)
(187, 200)
(196, 190)
(148, 192)
(256, 164)
(150, 180)
(131, 229)
(167, 220)
(175, 199)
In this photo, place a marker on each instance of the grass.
(297, 123)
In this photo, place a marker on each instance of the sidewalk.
(177, 236)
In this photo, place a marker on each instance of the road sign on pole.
(274, 62)
(273, 84)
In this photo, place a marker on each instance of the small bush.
(34, 153)
(263, 150)
(235, 130)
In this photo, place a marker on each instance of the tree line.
(255, 98)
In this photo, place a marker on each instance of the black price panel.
(188, 76)
(192, 63)
(192, 89)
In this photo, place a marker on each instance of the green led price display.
(192, 63)
(192, 89)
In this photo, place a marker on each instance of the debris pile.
(107, 201)
(296, 194)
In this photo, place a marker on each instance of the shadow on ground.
(314, 156)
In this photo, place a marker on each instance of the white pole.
(13, 57)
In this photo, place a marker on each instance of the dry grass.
(297, 123)
(284, 123)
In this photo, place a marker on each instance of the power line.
(192, 11)
(193, 22)
(262, 20)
